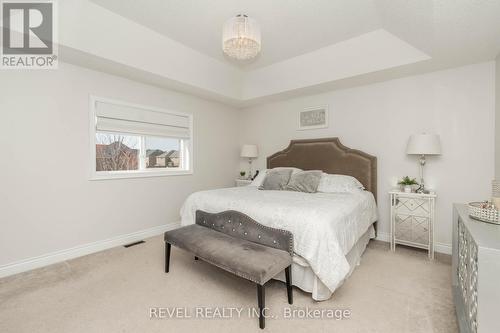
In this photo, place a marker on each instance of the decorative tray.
(483, 211)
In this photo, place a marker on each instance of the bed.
(331, 230)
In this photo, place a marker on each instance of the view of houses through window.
(122, 152)
(162, 152)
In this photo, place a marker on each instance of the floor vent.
(133, 244)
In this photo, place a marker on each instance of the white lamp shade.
(424, 144)
(249, 151)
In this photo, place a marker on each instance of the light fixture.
(249, 151)
(241, 38)
(423, 144)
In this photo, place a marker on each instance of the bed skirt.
(305, 279)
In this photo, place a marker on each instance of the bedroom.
(374, 74)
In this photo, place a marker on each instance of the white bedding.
(325, 225)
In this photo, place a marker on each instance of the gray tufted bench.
(236, 243)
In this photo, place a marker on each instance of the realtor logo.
(28, 35)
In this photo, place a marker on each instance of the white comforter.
(325, 226)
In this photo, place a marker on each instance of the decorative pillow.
(276, 179)
(262, 174)
(338, 183)
(304, 181)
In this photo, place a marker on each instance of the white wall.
(47, 202)
(458, 104)
(497, 118)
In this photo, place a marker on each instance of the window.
(162, 152)
(117, 152)
(137, 141)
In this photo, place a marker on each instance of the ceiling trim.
(94, 37)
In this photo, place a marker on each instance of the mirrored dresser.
(475, 272)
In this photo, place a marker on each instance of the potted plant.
(242, 174)
(407, 184)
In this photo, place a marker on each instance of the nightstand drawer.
(412, 229)
(412, 206)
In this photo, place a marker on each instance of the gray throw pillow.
(304, 181)
(276, 179)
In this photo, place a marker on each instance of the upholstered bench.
(236, 243)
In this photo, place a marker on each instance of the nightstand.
(412, 220)
(242, 182)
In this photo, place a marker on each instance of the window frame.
(185, 151)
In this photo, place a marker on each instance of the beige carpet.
(113, 291)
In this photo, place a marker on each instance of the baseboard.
(82, 250)
(438, 247)
(383, 236)
(78, 251)
(442, 248)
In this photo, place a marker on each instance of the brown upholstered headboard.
(331, 156)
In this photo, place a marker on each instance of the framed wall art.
(313, 118)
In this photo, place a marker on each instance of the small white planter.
(408, 188)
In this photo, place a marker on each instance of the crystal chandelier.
(241, 38)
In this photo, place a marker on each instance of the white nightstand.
(242, 182)
(412, 220)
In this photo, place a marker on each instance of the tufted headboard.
(331, 156)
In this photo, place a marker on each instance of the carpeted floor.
(114, 291)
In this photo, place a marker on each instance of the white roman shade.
(120, 118)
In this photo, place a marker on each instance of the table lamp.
(423, 144)
(249, 151)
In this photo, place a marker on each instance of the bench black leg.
(289, 291)
(261, 297)
(195, 258)
(167, 257)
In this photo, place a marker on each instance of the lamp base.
(422, 190)
(249, 168)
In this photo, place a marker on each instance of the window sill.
(138, 174)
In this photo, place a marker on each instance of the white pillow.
(262, 174)
(338, 183)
